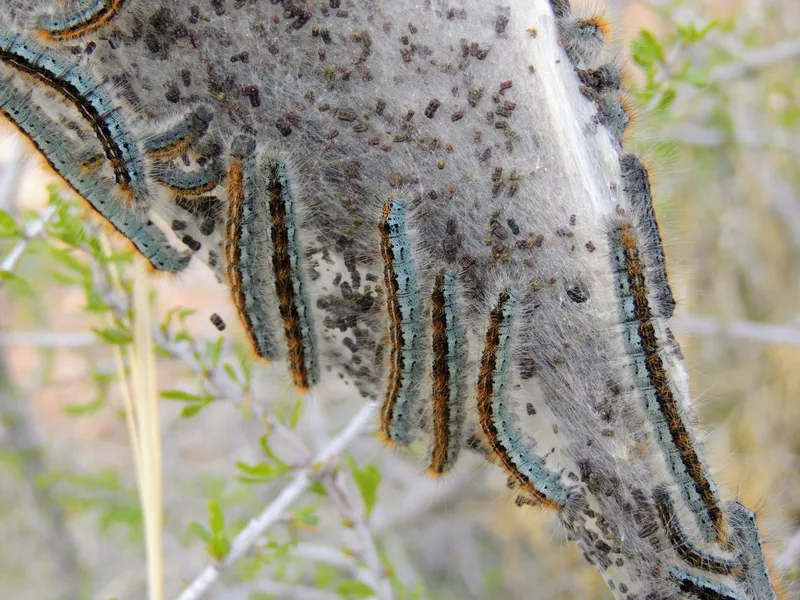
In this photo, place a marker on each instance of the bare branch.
(749, 330)
(334, 483)
(32, 229)
(255, 528)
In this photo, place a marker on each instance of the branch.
(255, 528)
(32, 229)
(334, 483)
(754, 60)
(220, 385)
(333, 557)
(749, 330)
(46, 339)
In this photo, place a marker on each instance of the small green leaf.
(354, 590)
(231, 372)
(8, 226)
(201, 532)
(95, 302)
(307, 516)
(646, 50)
(77, 410)
(262, 472)
(697, 77)
(18, 285)
(667, 98)
(367, 479)
(191, 410)
(117, 337)
(68, 260)
(182, 396)
(317, 487)
(214, 351)
(264, 441)
(294, 416)
(215, 519)
(220, 547)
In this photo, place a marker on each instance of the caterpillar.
(91, 100)
(43, 133)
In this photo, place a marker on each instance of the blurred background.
(717, 84)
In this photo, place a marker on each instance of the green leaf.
(307, 516)
(191, 410)
(264, 441)
(294, 416)
(182, 396)
(68, 260)
(183, 313)
(231, 372)
(214, 351)
(262, 472)
(697, 77)
(201, 532)
(353, 590)
(95, 303)
(317, 487)
(220, 547)
(646, 50)
(8, 226)
(215, 519)
(77, 410)
(367, 479)
(18, 285)
(111, 335)
(667, 98)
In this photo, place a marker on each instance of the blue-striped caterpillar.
(700, 588)
(747, 541)
(293, 303)
(192, 183)
(681, 543)
(45, 135)
(658, 393)
(542, 485)
(405, 329)
(447, 364)
(181, 136)
(93, 103)
(636, 185)
(81, 22)
(247, 249)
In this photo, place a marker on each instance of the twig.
(754, 60)
(761, 332)
(32, 229)
(255, 528)
(220, 385)
(46, 339)
(334, 483)
(333, 557)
